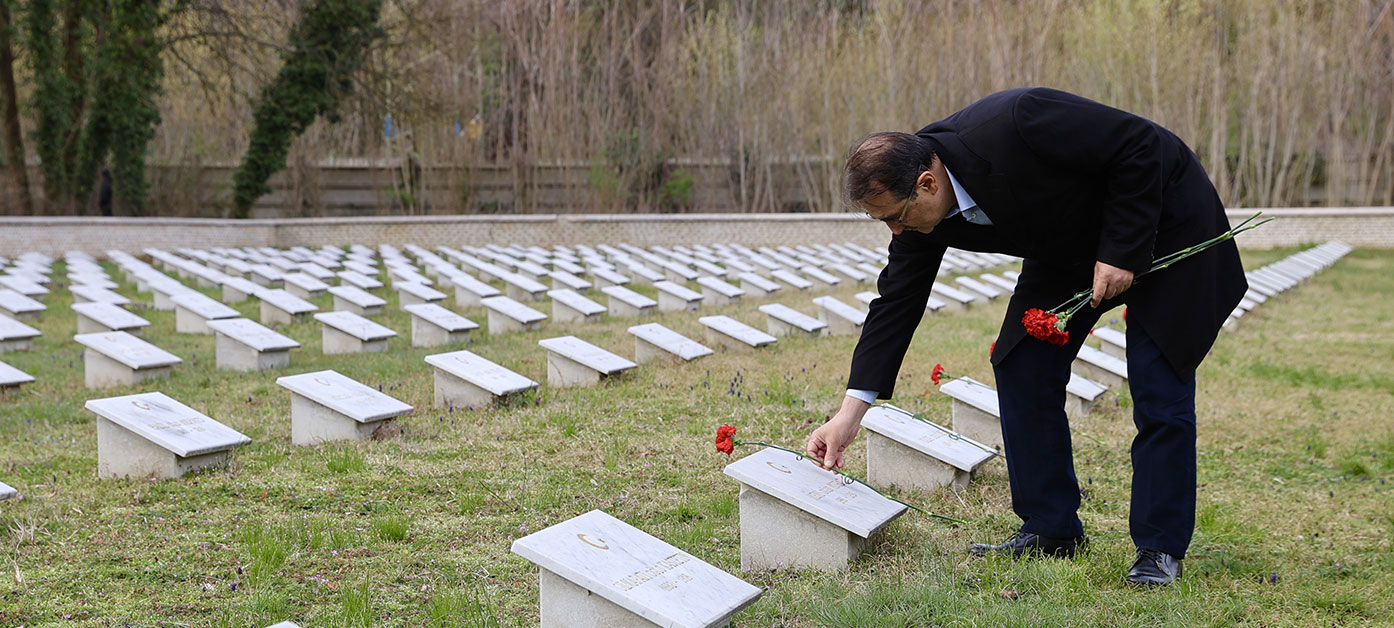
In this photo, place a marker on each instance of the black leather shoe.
(1028, 544)
(1154, 568)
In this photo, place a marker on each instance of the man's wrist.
(865, 396)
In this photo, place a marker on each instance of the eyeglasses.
(898, 220)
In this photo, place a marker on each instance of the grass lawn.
(1295, 522)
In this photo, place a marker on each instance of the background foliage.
(1286, 103)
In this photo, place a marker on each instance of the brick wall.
(1362, 227)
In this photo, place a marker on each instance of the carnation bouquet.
(1049, 325)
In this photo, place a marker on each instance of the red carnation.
(991, 348)
(1042, 326)
(934, 375)
(1125, 314)
(724, 443)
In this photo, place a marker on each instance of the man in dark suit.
(1088, 195)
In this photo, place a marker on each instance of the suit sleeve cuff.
(868, 396)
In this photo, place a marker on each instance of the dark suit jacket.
(1066, 181)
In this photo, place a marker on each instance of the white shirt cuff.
(868, 396)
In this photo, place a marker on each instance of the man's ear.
(927, 181)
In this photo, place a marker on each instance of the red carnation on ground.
(934, 375)
(724, 444)
(1125, 314)
(991, 348)
(1042, 326)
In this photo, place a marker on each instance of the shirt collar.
(962, 199)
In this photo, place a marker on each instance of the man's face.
(921, 212)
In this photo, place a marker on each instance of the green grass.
(1296, 460)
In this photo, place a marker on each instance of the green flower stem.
(850, 477)
(952, 434)
(1076, 302)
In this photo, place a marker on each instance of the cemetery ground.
(1296, 462)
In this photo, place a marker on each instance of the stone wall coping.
(1330, 212)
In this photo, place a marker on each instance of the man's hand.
(1109, 281)
(827, 442)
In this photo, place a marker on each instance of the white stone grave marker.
(18, 306)
(1080, 395)
(953, 298)
(821, 279)
(604, 277)
(26, 287)
(795, 515)
(357, 300)
(675, 298)
(851, 274)
(7, 492)
(266, 276)
(1101, 367)
(507, 316)
(627, 303)
(246, 345)
(193, 310)
(575, 362)
(94, 294)
(569, 306)
(120, 359)
(11, 377)
(842, 319)
(279, 307)
(1005, 285)
(642, 274)
(716, 291)
(599, 572)
(733, 335)
(433, 326)
(304, 286)
(782, 320)
(757, 285)
(94, 318)
(791, 279)
(327, 406)
(1112, 342)
(346, 332)
(413, 293)
(470, 292)
(521, 288)
(358, 280)
(904, 451)
(653, 341)
(562, 280)
(467, 380)
(152, 435)
(977, 287)
(237, 289)
(975, 411)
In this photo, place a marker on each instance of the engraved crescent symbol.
(140, 404)
(322, 382)
(600, 545)
(779, 467)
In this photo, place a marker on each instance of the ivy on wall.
(97, 73)
(327, 45)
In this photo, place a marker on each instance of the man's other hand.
(1109, 281)
(828, 441)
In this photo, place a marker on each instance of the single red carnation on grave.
(724, 444)
(990, 348)
(1041, 325)
(1125, 314)
(934, 375)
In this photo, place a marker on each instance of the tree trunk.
(14, 140)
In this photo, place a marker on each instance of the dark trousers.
(1040, 462)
